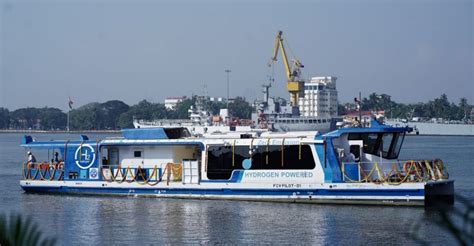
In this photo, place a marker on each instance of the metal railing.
(140, 175)
(394, 172)
(43, 171)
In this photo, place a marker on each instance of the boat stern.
(440, 192)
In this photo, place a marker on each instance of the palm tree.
(17, 230)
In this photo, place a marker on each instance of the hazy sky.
(134, 50)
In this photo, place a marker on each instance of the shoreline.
(119, 131)
(60, 131)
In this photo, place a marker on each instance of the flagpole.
(69, 110)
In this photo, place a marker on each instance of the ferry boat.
(348, 165)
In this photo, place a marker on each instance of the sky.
(94, 51)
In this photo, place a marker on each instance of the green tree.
(143, 110)
(215, 107)
(441, 107)
(111, 111)
(464, 109)
(25, 118)
(181, 110)
(87, 117)
(4, 118)
(240, 108)
(52, 118)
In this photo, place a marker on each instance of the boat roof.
(375, 127)
(180, 136)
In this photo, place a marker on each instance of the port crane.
(295, 83)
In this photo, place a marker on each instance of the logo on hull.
(85, 156)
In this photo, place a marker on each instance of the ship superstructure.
(317, 108)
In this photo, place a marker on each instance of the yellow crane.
(293, 73)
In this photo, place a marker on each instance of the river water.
(93, 220)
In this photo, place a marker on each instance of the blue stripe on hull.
(229, 192)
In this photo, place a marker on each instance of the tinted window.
(293, 157)
(374, 143)
(175, 133)
(137, 153)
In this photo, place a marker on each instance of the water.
(93, 220)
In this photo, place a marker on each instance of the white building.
(171, 102)
(216, 99)
(320, 98)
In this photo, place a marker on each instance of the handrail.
(43, 169)
(396, 172)
(118, 175)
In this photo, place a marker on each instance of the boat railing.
(394, 172)
(142, 175)
(169, 172)
(43, 171)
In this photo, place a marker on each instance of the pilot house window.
(386, 144)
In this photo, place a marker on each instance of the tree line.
(115, 114)
(439, 107)
(110, 115)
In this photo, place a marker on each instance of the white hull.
(387, 195)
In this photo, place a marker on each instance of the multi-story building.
(320, 98)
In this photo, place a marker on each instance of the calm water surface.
(93, 220)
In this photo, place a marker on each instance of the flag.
(70, 103)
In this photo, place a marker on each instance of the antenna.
(204, 90)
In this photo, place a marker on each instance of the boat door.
(113, 157)
(351, 168)
(355, 147)
(191, 172)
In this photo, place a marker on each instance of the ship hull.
(369, 194)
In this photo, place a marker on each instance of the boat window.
(113, 157)
(389, 144)
(396, 145)
(176, 133)
(220, 165)
(386, 143)
(137, 153)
